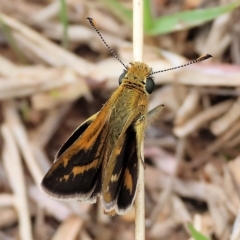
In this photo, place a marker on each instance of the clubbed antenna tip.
(200, 59)
(92, 22)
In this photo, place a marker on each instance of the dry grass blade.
(213, 75)
(8, 217)
(14, 169)
(236, 230)
(164, 197)
(222, 124)
(69, 229)
(48, 12)
(20, 134)
(218, 143)
(219, 31)
(41, 47)
(54, 208)
(188, 108)
(180, 211)
(202, 118)
(6, 199)
(45, 79)
(190, 189)
(7, 68)
(49, 125)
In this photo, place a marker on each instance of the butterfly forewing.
(75, 135)
(76, 171)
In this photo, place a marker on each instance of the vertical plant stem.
(137, 30)
(137, 56)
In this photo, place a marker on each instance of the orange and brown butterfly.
(102, 156)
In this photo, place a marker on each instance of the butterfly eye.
(121, 77)
(150, 85)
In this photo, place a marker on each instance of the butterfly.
(103, 155)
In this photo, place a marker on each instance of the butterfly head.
(139, 73)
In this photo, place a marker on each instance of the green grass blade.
(188, 19)
(64, 21)
(119, 10)
(12, 43)
(195, 234)
(147, 15)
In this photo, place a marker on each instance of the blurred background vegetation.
(55, 72)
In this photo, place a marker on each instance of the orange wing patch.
(128, 181)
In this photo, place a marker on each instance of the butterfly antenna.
(92, 22)
(200, 59)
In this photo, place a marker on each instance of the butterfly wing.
(78, 164)
(119, 191)
(75, 135)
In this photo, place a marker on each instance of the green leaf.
(195, 234)
(187, 19)
(174, 22)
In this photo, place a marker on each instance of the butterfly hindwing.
(134, 156)
(113, 174)
(120, 190)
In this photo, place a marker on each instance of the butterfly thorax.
(128, 103)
